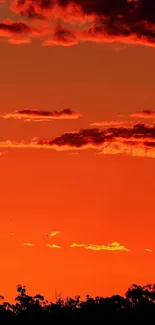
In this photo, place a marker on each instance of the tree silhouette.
(136, 307)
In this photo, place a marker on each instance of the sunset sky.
(77, 147)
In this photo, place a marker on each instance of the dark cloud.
(108, 30)
(97, 137)
(138, 140)
(41, 115)
(96, 8)
(16, 28)
(62, 36)
(18, 32)
(131, 21)
(31, 13)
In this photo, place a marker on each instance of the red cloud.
(138, 140)
(98, 33)
(112, 20)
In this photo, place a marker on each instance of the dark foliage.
(137, 306)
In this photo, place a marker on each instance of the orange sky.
(89, 198)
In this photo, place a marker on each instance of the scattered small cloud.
(115, 246)
(28, 244)
(77, 245)
(54, 233)
(54, 246)
(148, 250)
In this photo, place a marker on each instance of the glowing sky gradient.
(75, 221)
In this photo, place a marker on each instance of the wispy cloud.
(54, 233)
(19, 41)
(42, 115)
(108, 123)
(145, 114)
(54, 246)
(148, 250)
(28, 244)
(115, 246)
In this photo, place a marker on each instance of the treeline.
(137, 306)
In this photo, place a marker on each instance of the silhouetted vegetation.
(138, 306)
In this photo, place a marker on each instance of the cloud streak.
(19, 41)
(148, 250)
(108, 123)
(115, 246)
(145, 114)
(137, 140)
(41, 115)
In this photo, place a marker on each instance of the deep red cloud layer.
(130, 21)
(127, 10)
(127, 21)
